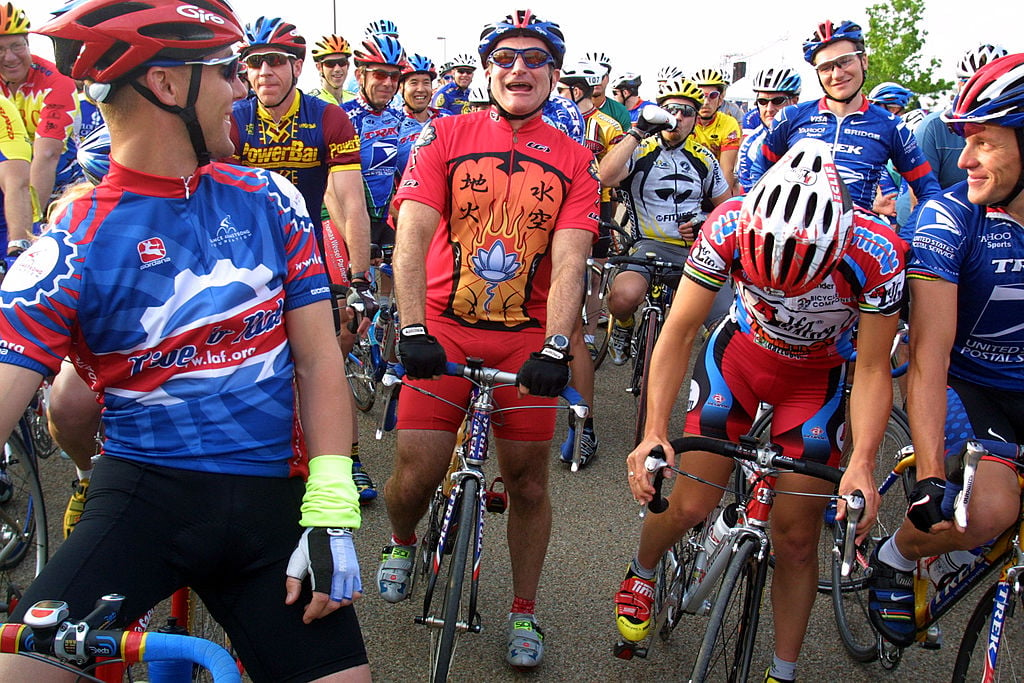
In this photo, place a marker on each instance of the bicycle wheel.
(428, 541)
(598, 319)
(454, 609)
(850, 602)
(22, 510)
(672, 577)
(729, 639)
(359, 372)
(648, 332)
(974, 647)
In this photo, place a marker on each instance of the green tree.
(894, 40)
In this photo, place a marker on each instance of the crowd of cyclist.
(792, 224)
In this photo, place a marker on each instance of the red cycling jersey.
(501, 193)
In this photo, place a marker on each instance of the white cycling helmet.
(795, 224)
(977, 57)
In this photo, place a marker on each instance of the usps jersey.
(169, 296)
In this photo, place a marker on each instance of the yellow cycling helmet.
(711, 77)
(331, 45)
(680, 87)
(13, 21)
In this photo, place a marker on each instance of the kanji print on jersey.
(501, 194)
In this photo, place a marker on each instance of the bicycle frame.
(1006, 554)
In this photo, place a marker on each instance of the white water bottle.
(942, 568)
(725, 521)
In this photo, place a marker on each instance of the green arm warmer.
(331, 499)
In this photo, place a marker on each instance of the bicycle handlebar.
(494, 376)
(78, 643)
(649, 260)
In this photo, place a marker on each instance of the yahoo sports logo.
(152, 250)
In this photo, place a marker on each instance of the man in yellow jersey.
(715, 129)
(332, 54)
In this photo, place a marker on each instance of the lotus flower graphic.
(495, 266)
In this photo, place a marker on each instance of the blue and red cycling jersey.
(378, 147)
(312, 139)
(409, 130)
(981, 250)
(815, 328)
(169, 295)
(861, 143)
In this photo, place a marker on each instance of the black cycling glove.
(420, 353)
(925, 508)
(545, 372)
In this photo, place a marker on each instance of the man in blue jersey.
(966, 367)
(416, 86)
(203, 321)
(863, 136)
(379, 65)
(453, 96)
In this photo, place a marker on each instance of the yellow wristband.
(331, 499)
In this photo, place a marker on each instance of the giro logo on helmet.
(193, 12)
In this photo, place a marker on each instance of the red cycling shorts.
(733, 375)
(498, 349)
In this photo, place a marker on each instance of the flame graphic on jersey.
(500, 229)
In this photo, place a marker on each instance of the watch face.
(558, 341)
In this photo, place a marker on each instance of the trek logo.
(193, 12)
(848, 149)
(152, 250)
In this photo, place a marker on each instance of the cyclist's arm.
(417, 223)
(933, 316)
(870, 404)
(615, 165)
(17, 384)
(668, 369)
(346, 204)
(727, 161)
(569, 251)
(45, 155)
(14, 185)
(320, 380)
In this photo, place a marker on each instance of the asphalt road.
(595, 532)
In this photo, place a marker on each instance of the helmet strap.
(187, 113)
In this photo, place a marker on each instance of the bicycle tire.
(850, 602)
(892, 507)
(673, 576)
(641, 371)
(970, 658)
(23, 516)
(445, 639)
(602, 335)
(732, 629)
(359, 372)
(428, 541)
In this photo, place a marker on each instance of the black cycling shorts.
(974, 411)
(149, 530)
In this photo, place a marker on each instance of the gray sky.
(643, 37)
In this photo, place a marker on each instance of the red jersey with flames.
(501, 195)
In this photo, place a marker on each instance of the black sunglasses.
(778, 100)
(331, 63)
(685, 109)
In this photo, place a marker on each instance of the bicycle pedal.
(626, 650)
(494, 500)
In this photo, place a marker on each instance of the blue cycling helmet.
(383, 26)
(273, 32)
(380, 49)
(418, 64)
(94, 154)
(777, 79)
(828, 33)
(523, 23)
(994, 95)
(890, 93)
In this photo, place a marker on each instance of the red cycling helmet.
(105, 40)
(795, 224)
